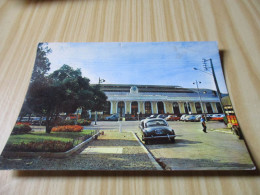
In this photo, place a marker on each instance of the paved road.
(193, 149)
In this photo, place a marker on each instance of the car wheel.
(145, 141)
(172, 140)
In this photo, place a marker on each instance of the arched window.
(209, 108)
(176, 109)
(160, 108)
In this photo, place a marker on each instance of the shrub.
(67, 128)
(21, 129)
(45, 146)
(83, 122)
(68, 122)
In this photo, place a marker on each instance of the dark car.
(154, 129)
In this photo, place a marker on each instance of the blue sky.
(157, 63)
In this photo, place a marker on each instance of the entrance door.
(148, 108)
(160, 108)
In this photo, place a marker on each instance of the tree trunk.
(48, 124)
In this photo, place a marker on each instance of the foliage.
(21, 129)
(81, 122)
(67, 128)
(64, 90)
(41, 136)
(42, 63)
(45, 146)
(66, 122)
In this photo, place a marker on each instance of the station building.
(126, 99)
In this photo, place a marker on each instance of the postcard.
(127, 106)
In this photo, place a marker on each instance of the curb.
(155, 163)
(50, 154)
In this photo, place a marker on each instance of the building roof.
(143, 88)
(122, 92)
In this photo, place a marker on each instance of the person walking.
(203, 123)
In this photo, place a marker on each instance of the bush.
(45, 146)
(67, 128)
(82, 122)
(67, 122)
(21, 129)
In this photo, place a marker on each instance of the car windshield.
(156, 123)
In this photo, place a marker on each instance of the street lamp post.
(197, 84)
(99, 82)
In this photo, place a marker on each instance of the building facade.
(158, 99)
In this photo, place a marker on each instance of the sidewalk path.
(116, 151)
(111, 151)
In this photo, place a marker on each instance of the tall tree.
(64, 90)
(40, 69)
(42, 63)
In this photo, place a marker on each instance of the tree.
(40, 69)
(42, 63)
(64, 90)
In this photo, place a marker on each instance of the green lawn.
(42, 136)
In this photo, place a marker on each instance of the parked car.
(113, 117)
(209, 116)
(183, 117)
(172, 118)
(162, 116)
(153, 116)
(190, 118)
(198, 117)
(154, 129)
(217, 117)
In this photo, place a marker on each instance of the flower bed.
(67, 128)
(21, 129)
(45, 146)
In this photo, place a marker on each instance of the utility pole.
(215, 79)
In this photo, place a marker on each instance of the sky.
(145, 63)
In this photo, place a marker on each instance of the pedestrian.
(203, 123)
